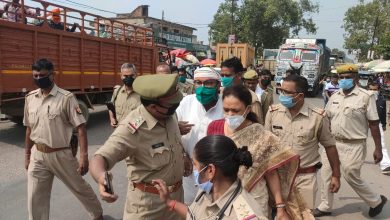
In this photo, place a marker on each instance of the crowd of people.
(217, 147)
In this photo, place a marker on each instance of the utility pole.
(232, 17)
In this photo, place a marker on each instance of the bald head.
(163, 69)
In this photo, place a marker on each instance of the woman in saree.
(271, 178)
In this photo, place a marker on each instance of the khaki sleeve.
(257, 109)
(267, 124)
(118, 146)
(26, 122)
(75, 115)
(114, 93)
(324, 135)
(372, 112)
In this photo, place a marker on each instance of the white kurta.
(192, 110)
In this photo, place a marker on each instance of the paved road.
(64, 205)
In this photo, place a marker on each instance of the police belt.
(46, 149)
(146, 187)
(348, 141)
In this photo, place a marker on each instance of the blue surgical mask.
(227, 81)
(346, 84)
(206, 186)
(287, 101)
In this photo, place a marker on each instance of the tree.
(367, 27)
(264, 23)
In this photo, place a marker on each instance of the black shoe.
(318, 213)
(378, 209)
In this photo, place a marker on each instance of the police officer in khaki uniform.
(150, 136)
(352, 110)
(50, 115)
(124, 98)
(303, 127)
(221, 195)
(231, 74)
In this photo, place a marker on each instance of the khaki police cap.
(347, 68)
(158, 87)
(251, 74)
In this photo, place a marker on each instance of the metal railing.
(96, 25)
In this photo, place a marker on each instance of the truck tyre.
(84, 109)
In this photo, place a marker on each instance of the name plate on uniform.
(277, 127)
(158, 145)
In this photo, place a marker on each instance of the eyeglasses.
(286, 92)
(208, 83)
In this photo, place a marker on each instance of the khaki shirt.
(267, 99)
(302, 132)
(349, 113)
(242, 207)
(257, 107)
(155, 150)
(52, 118)
(186, 88)
(125, 102)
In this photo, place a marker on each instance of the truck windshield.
(286, 54)
(309, 55)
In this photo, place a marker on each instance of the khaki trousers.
(41, 171)
(148, 206)
(352, 157)
(306, 184)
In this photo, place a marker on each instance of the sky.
(199, 13)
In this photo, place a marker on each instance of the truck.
(85, 64)
(307, 57)
(243, 51)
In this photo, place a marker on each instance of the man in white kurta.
(195, 113)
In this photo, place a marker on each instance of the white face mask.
(234, 121)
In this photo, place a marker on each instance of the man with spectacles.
(352, 111)
(303, 127)
(124, 98)
(195, 113)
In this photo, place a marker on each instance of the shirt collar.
(53, 91)
(151, 122)
(223, 199)
(354, 91)
(304, 109)
(258, 89)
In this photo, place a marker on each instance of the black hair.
(234, 63)
(244, 95)
(335, 76)
(43, 64)
(373, 83)
(301, 84)
(223, 153)
(265, 72)
(174, 69)
(290, 71)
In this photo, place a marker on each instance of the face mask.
(171, 110)
(287, 101)
(206, 95)
(128, 81)
(43, 82)
(328, 80)
(227, 81)
(182, 79)
(346, 83)
(265, 82)
(234, 121)
(363, 82)
(206, 186)
(376, 94)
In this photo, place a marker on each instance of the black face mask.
(128, 81)
(171, 110)
(43, 82)
(265, 82)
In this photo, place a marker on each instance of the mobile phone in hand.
(108, 184)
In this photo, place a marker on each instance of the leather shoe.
(318, 213)
(378, 209)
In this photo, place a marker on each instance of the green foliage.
(263, 23)
(367, 25)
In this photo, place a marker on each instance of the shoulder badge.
(117, 86)
(32, 92)
(133, 125)
(274, 107)
(319, 111)
(242, 209)
(78, 110)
